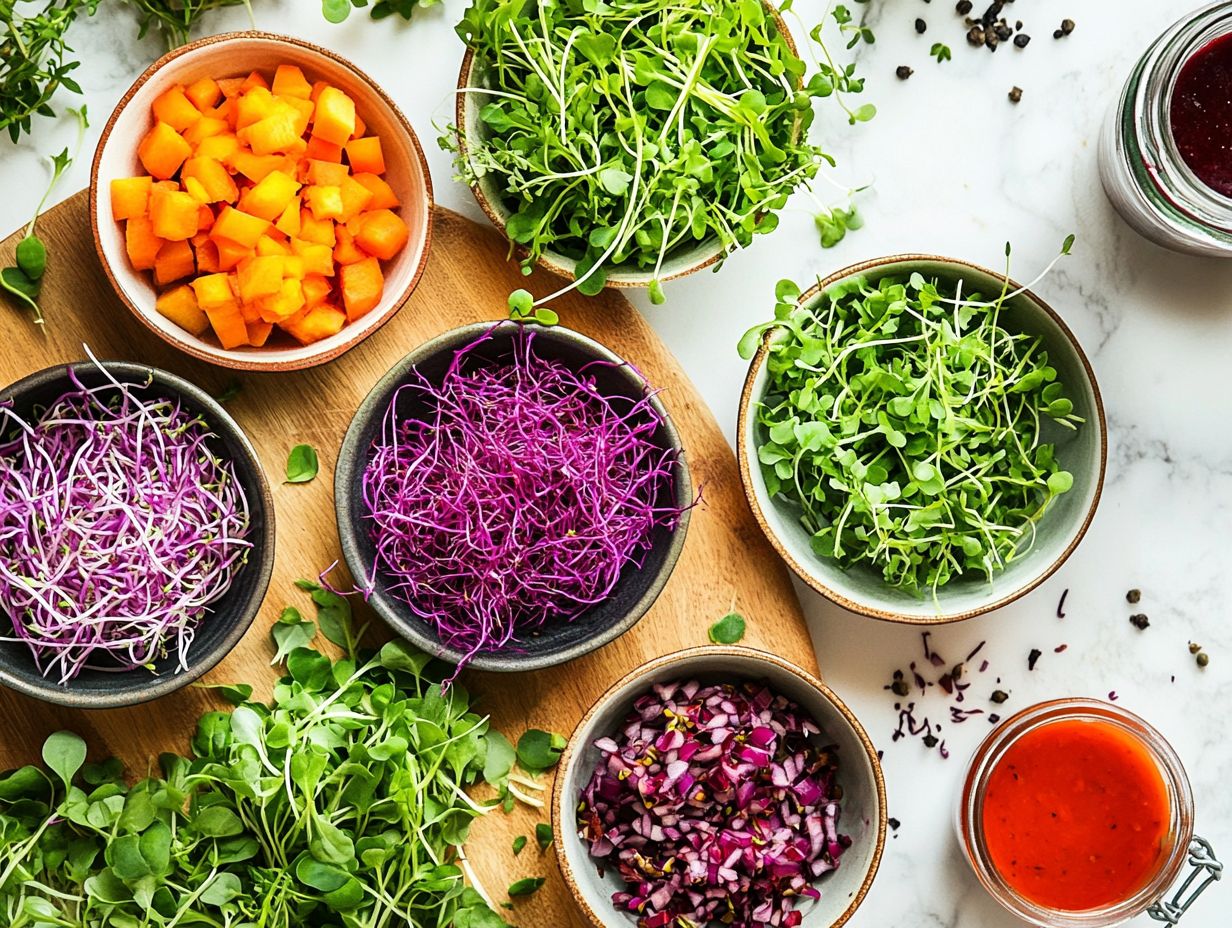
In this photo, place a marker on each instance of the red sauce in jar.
(1076, 815)
(1201, 114)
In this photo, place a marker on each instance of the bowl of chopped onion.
(138, 532)
(719, 784)
(921, 439)
(512, 496)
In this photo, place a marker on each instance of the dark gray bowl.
(556, 643)
(220, 630)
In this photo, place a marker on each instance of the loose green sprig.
(623, 134)
(941, 52)
(35, 60)
(177, 19)
(906, 423)
(337, 11)
(24, 279)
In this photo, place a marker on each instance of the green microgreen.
(728, 630)
(941, 52)
(909, 426)
(35, 61)
(526, 887)
(337, 11)
(543, 835)
(302, 464)
(540, 750)
(619, 135)
(833, 224)
(176, 19)
(518, 844)
(235, 693)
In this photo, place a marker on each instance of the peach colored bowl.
(236, 54)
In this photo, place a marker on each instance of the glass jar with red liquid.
(1165, 154)
(1077, 814)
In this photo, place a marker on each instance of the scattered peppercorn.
(963, 7)
(993, 718)
(1034, 656)
(903, 72)
(999, 696)
(1139, 621)
(920, 26)
(975, 36)
(1203, 659)
(1016, 97)
(1133, 596)
(1022, 40)
(893, 823)
(1067, 26)
(900, 688)
(1194, 647)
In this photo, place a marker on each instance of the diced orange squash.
(193, 188)
(218, 184)
(175, 109)
(204, 128)
(360, 129)
(355, 199)
(293, 267)
(258, 333)
(255, 167)
(230, 253)
(252, 106)
(346, 251)
(288, 300)
(180, 306)
(228, 325)
(203, 93)
(324, 202)
(320, 150)
(362, 284)
(290, 80)
(334, 117)
(316, 289)
(254, 79)
(250, 312)
(174, 214)
(270, 196)
(382, 234)
(130, 197)
(240, 227)
(275, 133)
(230, 86)
(206, 252)
(162, 151)
(320, 231)
(365, 155)
(213, 290)
(318, 323)
(303, 109)
(260, 276)
(218, 147)
(317, 87)
(228, 111)
(327, 173)
(268, 245)
(318, 258)
(383, 196)
(205, 218)
(288, 223)
(174, 261)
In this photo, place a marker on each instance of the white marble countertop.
(957, 170)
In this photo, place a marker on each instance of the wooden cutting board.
(726, 562)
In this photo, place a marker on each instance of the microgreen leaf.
(335, 11)
(291, 631)
(518, 844)
(302, 464)
(64, 752)
(540, 750)
(728, 630)
(235, 693)
(526, 887)
(543, 835)
(941, 52)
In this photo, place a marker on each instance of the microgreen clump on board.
(621, 135)
(907, 423)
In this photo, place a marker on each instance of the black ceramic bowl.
(558, 642)
(222, 628)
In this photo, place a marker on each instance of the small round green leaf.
(302, 464)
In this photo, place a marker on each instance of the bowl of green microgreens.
(922, 439)
(630, 142)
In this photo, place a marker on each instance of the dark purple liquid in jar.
(1201, 114)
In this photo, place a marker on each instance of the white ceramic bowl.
(236, 54)
(863, 810)
(1083, 453)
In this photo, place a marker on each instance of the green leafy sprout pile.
(906, 423)
(622, 133)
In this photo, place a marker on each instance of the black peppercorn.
(1015, 94)
(1139, 621)
(902, 72)
(999, 696)
(963, 7)
(920, 26)
(1067, 26)
(1203, 659)
(975, 36)
(1133, 596)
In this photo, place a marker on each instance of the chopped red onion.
(714, 804)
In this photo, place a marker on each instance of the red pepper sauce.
(1201, 114)
(1076, 815)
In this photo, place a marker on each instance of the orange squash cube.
(355, 199)
(228, 325)
(327, 173)
(255, 167)
(254, 79)
(180, 306)
(324, 202)
(204, 128)
(206, 253)
(230, 253)
(346, 251)
(288, 301)
(162, 151)
(218, 184)
(271, 195)
(365, 155)
(288, 223)
(213, 290)
(362, 285)
(231, 86)
(383, 196)
(204, 93)
(130, 197)
(252, 106)
(205, 218)
(240, 227)
(334, 117)
(259, 276)
(293, 267)
(303, 109)
(320, 150)
(290, 81)
(318, 323)
(361, 128)
(218, 147)
(382, 234)
(174, 261)
(275, 133)
(268, 245)
(320, 231)
(175, 109)
(258, 333)
(174, 214)
(316, 289)
(318, 259)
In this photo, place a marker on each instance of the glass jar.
(1180, 841)
(1142, 170)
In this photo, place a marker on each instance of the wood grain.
(726, 561)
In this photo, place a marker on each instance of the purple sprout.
(120, 527)
(516, 498)
(714, 804)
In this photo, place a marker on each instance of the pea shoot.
(906, 423)
(23, 280)
(35, 59)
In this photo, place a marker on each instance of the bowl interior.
(236, 55)
(637, 587)
(1080, 452)
(862, 809)
(228, 618)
